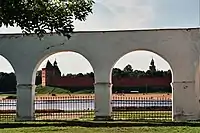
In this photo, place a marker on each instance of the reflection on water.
(68, 105)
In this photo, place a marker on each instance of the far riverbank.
(138, 96)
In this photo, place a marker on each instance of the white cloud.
(112, 14)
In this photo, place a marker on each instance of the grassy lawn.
(52, 90)
(7, 95)
(76, 129)
(89, 115)
(142, 115)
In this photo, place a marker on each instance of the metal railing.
(64, 108)
(142, 108)
(81, 107)
(7, 109)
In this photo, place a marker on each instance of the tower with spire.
(55, 63)
(152, 66)
(50, 72)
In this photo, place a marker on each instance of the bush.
(11, 97)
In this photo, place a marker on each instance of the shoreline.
(152, 96)
(136, 96)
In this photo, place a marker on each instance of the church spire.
(152, 62)
(152, 66)
(55, 63)
(48, 65)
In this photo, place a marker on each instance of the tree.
(42, 16)
(117, 72)
(91, 74)
(128, 69)
(39, 73)
(138, 73)
(79, 75)
(8, 82)
(38, 79)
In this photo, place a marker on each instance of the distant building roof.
(49, 65)
(54, 66)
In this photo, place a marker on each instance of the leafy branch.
(42, 16)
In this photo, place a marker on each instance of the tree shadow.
(96, 124)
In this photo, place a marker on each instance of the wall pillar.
(103, 99)
(185, 101)
(25, 102)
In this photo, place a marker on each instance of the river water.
(70, 105)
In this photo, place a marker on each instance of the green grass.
(57, 90)
(51, 90)
(8, 94)
(140, 115)
(135, 115)
(98, 127)
(7, 117)
(89, 115)
(102, 130)
(44, 90)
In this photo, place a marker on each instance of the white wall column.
(185, 101)
(25, 102)
(103, 99)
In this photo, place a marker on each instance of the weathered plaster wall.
(180, 47)
(197, 81)
(103, 49)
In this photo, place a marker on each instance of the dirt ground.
(142, 96)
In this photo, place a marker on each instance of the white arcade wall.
(179, 47)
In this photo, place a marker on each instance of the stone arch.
(183, 76)
(52, 53)
(158, 54)
(152, 51)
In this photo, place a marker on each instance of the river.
(70, 105)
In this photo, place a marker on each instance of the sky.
(126, 14)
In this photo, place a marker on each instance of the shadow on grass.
(97, 124)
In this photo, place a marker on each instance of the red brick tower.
(49, 73)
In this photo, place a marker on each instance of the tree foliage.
(129, 72)
(7, 82)
(128, 69)
(41, 16)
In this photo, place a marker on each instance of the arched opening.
(142, 87)
(8, 80)
(8, 83)
(65, 87)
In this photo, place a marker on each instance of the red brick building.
(51, 76)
